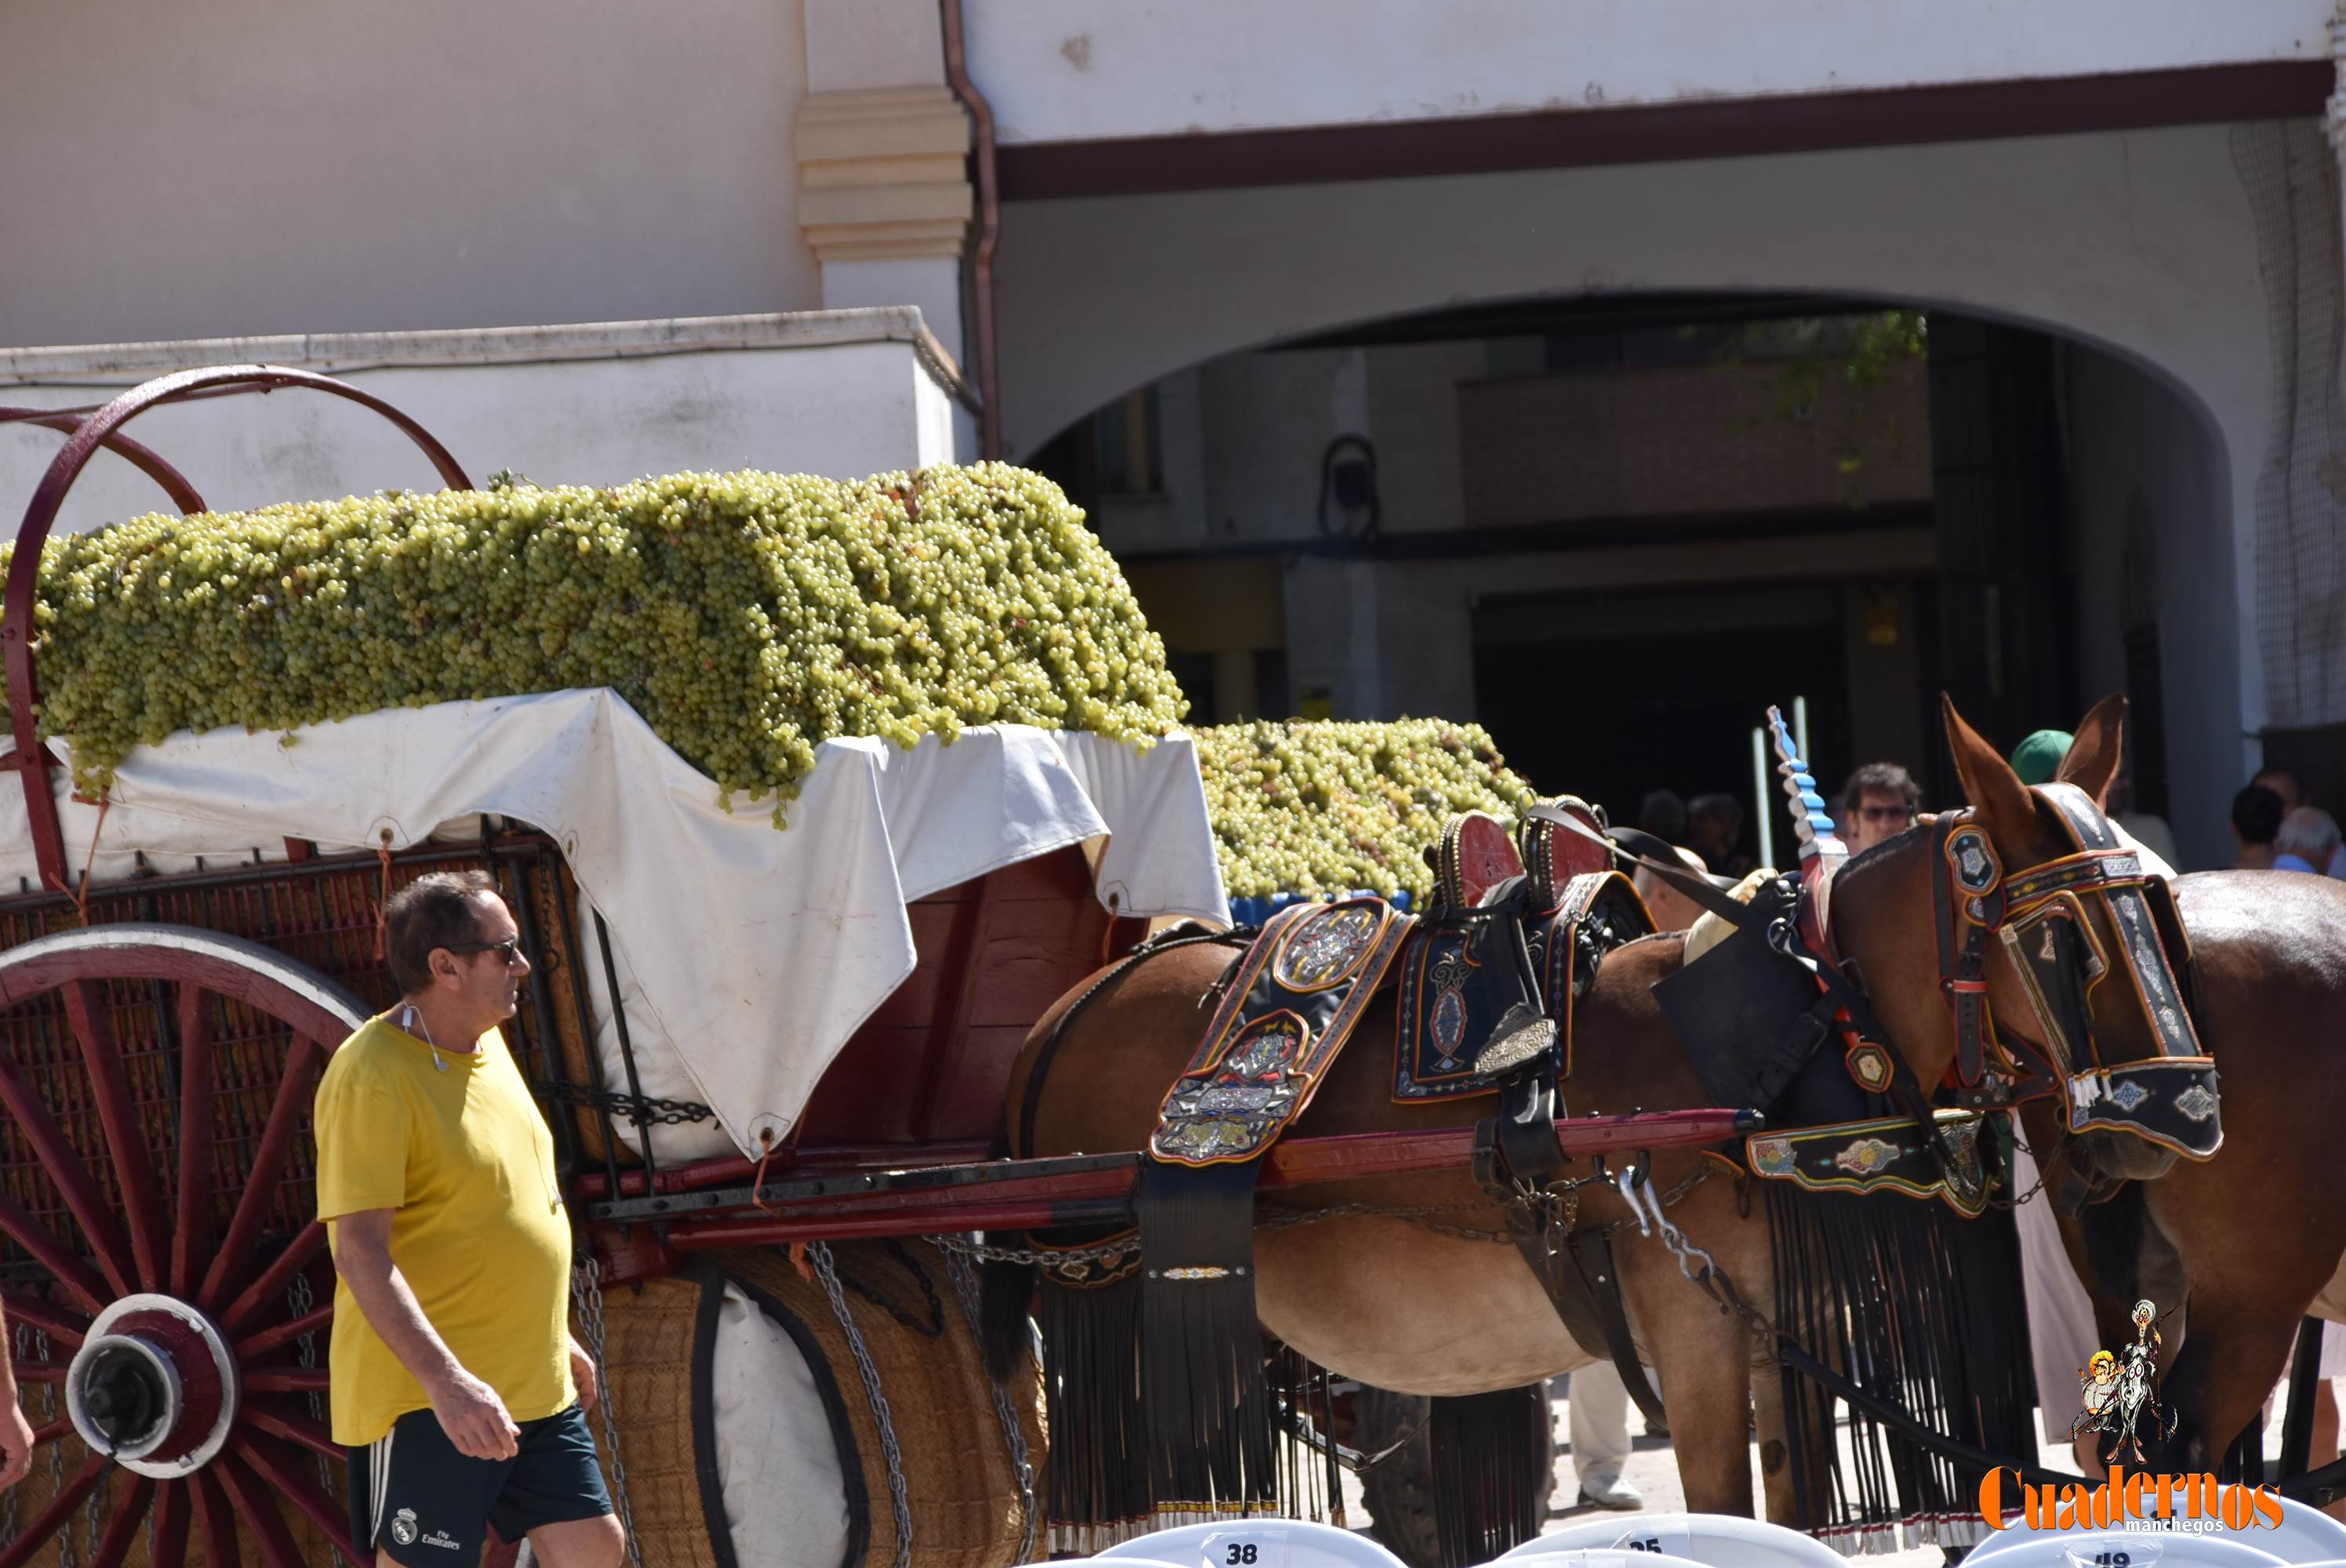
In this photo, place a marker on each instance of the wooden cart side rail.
(1006, 1194)
(31, 759)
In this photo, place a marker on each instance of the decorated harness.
(2039, 917)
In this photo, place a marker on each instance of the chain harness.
(586, 1290)
(1013, 1435)
(825, 1270)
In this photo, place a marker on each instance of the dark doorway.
(1609, 719)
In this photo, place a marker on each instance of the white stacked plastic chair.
(1611, 1557)
(1264, 1543)
(2305, 1535)
(2125, 1549)
(1722, 1540)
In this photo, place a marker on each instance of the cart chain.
(1014, 1431)
(299, 1300)
(818, 1253)
(93, 1519)
(52, 1398)
(1053, 1258)
(586, 1287)
(639, 1110)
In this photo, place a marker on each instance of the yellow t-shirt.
(480, 1234)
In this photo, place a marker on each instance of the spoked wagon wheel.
(164, 1271)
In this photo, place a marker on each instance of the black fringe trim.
(1924, 1308)
(1095, 1474)
(1205, 1399)
(1166, 1402)
(1491, 1480)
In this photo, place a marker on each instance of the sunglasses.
(507, 950)
(1886, 813)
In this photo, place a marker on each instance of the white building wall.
(1069, 70)
(240, 167)
(845, 393)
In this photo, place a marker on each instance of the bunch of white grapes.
(745, 616)
(1319, 809)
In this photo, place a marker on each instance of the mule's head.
(1886, 910)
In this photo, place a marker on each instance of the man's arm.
(16, 1432)
(475, 1418)
(582, 1373)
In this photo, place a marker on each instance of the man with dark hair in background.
(1664, 815)
(2256, 811)
(1879, 802)
(456, 1385)
(1715, 832)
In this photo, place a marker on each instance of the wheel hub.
(154, 1385)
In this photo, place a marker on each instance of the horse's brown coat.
(1399, 1306)
(2258, 1230)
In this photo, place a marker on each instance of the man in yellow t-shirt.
(456, 1385)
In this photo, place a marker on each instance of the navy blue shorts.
(416, 1501)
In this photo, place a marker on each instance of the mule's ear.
(2093, 758)
(1995, 790)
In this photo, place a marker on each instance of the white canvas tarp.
(746, 956)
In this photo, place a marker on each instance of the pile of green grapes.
(745, 616)
(1327, 808)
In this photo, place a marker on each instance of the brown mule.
(1403, 1306)
(2251, 1236)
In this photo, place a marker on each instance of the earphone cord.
(414, 1018)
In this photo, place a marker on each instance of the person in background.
(1664, 815)
(1715, 832)
(2283, 783)
(1600, 1439)
(2307, 841)
(2037, 759)
(2256, 811)
(1671, 910)
(2151, 832)
(1878, 803)
(1600, 1405)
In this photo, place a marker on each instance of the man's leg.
(556, 1496)
(579, 1543)
(415, 1501)
(1600, 1437)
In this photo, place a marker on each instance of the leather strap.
(1591, 1252)
(1515, 1151)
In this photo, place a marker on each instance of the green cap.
(2038, 758)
